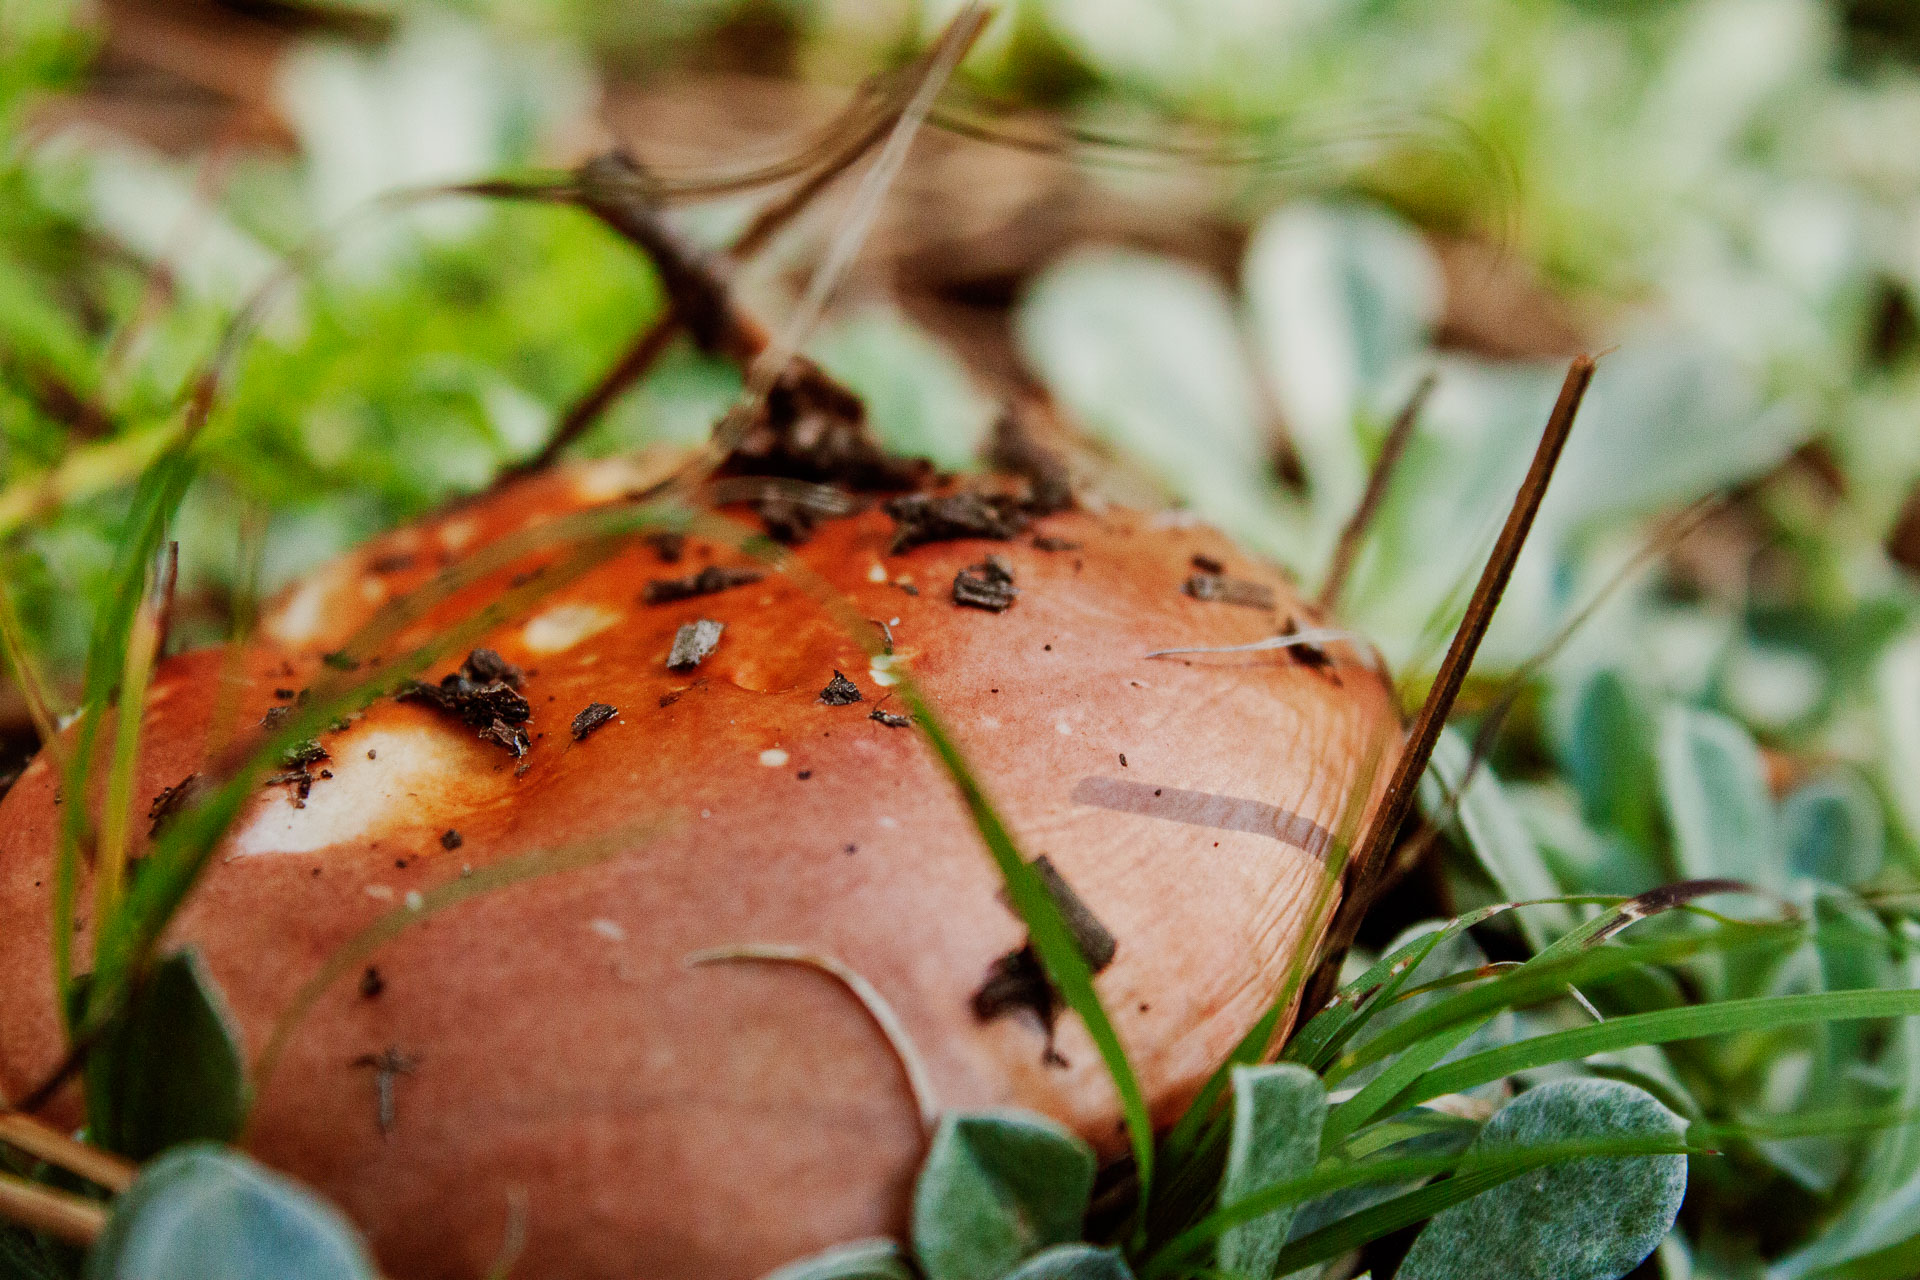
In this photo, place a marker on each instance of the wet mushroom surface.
(755, 780)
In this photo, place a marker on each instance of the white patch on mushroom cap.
(564, 626)
(306, 614)
(417, 772)
(773, 757)
(456, 534)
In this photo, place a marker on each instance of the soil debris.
(170, 801)
(815, 429)
(920, 518)
(451, 839)
(1207, 564)
(483, 694)
(1305, 654)
(693, 642)
(1017, 981)
(371, 983)
(891, 719)
(987, 585)
(1014, 449)
(840, 691)
(1042, 542)
(787, 522)
(591, 717)
(1219, 589)
(709, 581)
(666, 544)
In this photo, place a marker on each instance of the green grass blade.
(1545, 979)
(156, 498)
(1052, 939)
(1661, 1027)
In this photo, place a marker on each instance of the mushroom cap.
(672, 1121)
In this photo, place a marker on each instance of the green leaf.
(205, 1211)
(858, 1260)
(1716, 794)
(997, 1187)
(168, 1068)
(1608, 754)
(1342, 300)
(1832, 831)
(919, 397)
(1145, 353)
(1500, 840)
(1073, 1262)
(1277, 1115)
(1593, 1219)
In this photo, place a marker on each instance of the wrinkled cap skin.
(667, 1121)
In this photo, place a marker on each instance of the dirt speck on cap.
(987, 585)
(709, 581)
(840, 691)
(1218, 589)
(920, 518)
(693, 642)
(591, 717)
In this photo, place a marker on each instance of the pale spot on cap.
(420, 775)
(456, 534)
(564, 626)
(773, 757)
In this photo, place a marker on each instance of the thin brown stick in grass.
(1379, 480)
(44, 1142)
(1368, 863)
(859, 129)
(1671, 533)
(56, 1213)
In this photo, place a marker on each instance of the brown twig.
(56, 1213)
(615, 189)
(1668, 536)
(44, 1142)
(1368, 864)
(1378, 482)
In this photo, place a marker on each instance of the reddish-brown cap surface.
(547, 1045)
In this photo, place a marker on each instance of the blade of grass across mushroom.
(1425, 734)
(136, 673)
(27, 678)
(1256, 1043)
(162, 487)
(384, 928)
(184, 847)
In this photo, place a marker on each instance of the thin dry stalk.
(1379, 480)
(1368, 864)
(44, 1142)
(56, 1213)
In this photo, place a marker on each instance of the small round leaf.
(1590, 1219)
(201, 1211)
(997, 1187)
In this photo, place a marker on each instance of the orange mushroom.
(743, 758)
